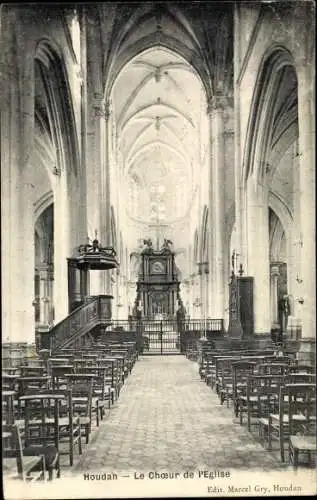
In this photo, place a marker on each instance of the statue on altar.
(167, 244)
(148, 244)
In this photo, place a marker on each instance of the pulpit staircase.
(76, 327)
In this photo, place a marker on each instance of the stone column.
(206, 287)
(105, 202)
(275, 272)
(216, 202)
(258, 254)
(84, 283)
(62, 247)
(306, 125)
(95, 139)
(17, 186)
(45, 298)
(201, 289)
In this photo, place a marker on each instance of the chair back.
(266, 390)
(241, 371)
(58, 375)
(81, 389)
(9, 382)
(32, 371)
(275, 368)
(301, 400)
(41, 416)
(300, 378)
(12, 447)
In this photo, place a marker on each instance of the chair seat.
(84, 420)
(303, 442)
(298, 418)
(62, 421)
(252, 399)
(9, 465)
(263, 421)
(50, 453)
(19, 423)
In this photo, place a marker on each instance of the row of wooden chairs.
(48, 405)
(275, 392)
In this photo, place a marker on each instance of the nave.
(159, 415)
(168, 420)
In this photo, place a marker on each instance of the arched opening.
(271, 179)
(56, 165)
(159, 114)
(44, 269)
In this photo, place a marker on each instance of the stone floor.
(168, 422)
(168, 419)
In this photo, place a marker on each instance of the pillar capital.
(43, 267)
(101, 107)
(218, 102)
(275, 270)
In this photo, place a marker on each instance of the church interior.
(158, 216)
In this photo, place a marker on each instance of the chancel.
(158, 225)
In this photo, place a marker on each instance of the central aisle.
(168, 419)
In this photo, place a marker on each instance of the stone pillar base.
(307, 351)
(294, 328)
(260, 341)
(15, 353)
(42, 337)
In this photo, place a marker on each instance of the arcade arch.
(271, 184)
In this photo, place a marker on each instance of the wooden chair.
(49, 423)
(14, 464)
(278, 423)
(241, 371)
(224, 377)
(101, 392)
(41, 430)
(302, 439)
(9, 382)
(81, 387)
(121, 366)
(113, 376)
(29, 385)
(58, 373)
(262, 399)
(8, 404)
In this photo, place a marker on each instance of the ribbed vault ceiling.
(160, 112)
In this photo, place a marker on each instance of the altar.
(158, 284)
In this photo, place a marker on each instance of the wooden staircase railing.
(95, 311)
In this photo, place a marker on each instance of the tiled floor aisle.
(167, 418)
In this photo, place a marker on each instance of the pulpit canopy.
(94, 256)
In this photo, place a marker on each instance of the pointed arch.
(260, 124)
(52, 68)
(157, 40)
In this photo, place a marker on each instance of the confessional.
(241, 316)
